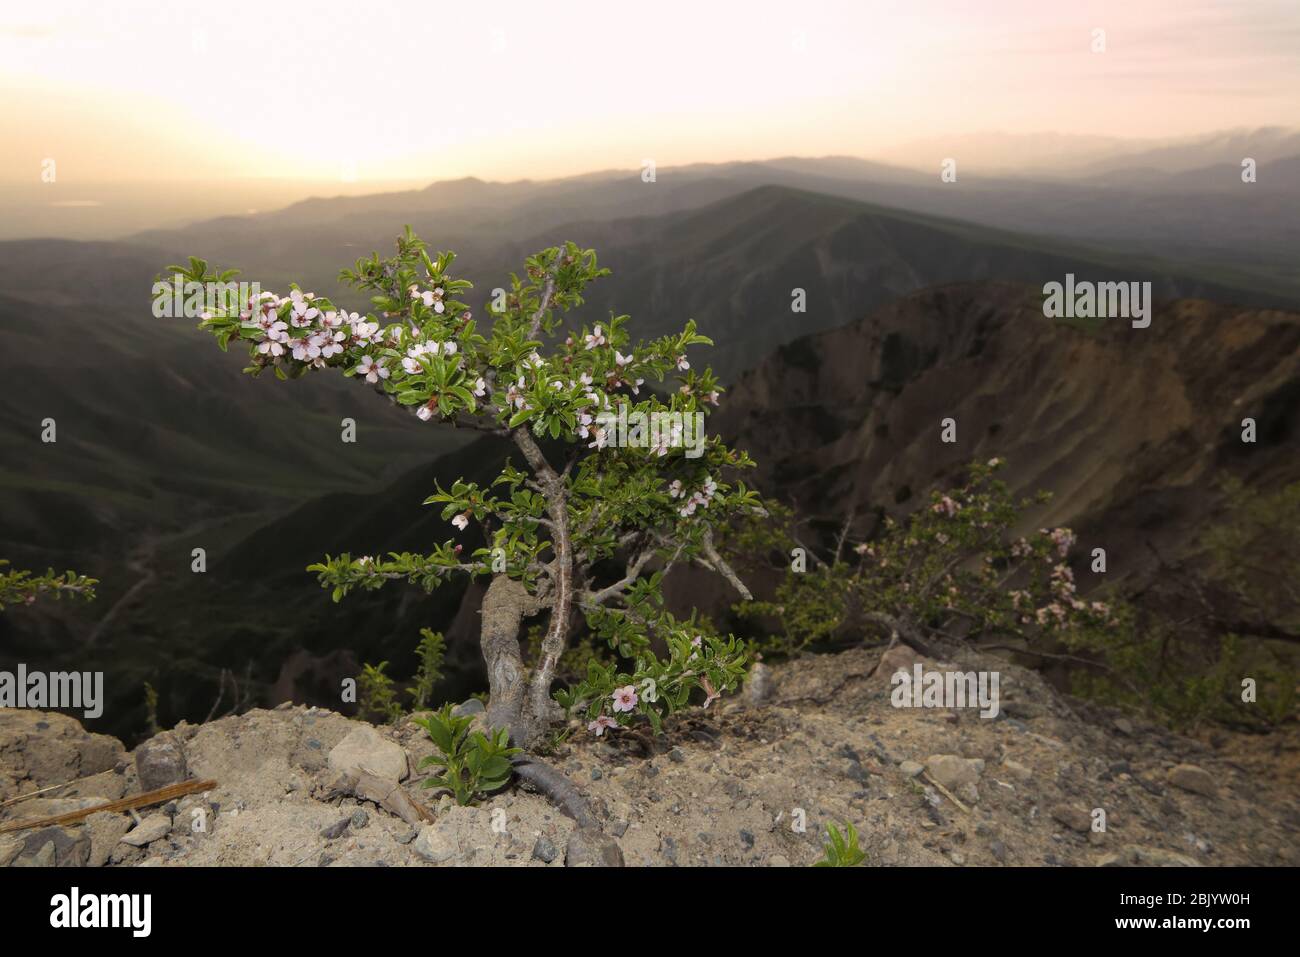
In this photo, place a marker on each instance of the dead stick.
(125, 804)
(32, 794)
(946, 793)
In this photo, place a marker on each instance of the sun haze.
(410, 91)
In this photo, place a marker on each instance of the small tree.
(596, 496)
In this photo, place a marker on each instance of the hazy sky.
(435, 89)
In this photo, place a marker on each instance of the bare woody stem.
(536, 708)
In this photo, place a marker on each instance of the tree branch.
(719, 565)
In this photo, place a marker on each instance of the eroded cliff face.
(1132, 430)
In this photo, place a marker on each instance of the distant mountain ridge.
(164, 446)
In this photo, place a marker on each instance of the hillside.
(1132, 429)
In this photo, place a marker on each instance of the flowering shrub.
(22, 587)
(555, 520)
(951, 568)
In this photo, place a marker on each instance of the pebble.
(1074, 818)
(953, 771)
(335, 830)
(435, 846)
(1191, 778)
(148, 830)
(544, 850)
(468, 707)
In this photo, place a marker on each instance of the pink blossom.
(372, 370)
(710, 695)
(601, 724)
(625, 698)
(945, 506)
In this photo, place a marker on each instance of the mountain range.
(922, 301)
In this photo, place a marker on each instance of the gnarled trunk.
(505, 606)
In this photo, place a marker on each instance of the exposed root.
(557, 788)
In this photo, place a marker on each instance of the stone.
(544, 850)
(434, 845)
(759, 686)
(160, 761)
(911, 768)
(359, 819)
(778, 860)
(668, 848)
(55, 847)
(893, 660)
(953, 771)
(42, 748)
(591, 847)
(10, 848)
(468, 707)
(45, 857)
(150, 829)
(335, 830)
(1196, 780)
(105, 829)
(365, 750)
(1016, 770)
(1074, 818)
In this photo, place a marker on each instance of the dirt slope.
(818, 742)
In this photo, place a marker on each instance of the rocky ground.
(752, 783)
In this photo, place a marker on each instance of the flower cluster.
(295, 326)
(700, 498)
